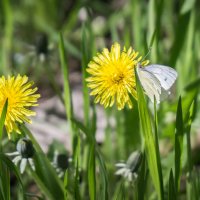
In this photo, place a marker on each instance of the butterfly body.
(156, 80)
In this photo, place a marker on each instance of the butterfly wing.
(150, 84)
(166, 75)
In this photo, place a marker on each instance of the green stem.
(8, 35)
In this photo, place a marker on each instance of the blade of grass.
(178, 144)
(171, 187)
(113, 27)
(149, 143)
(76, 184)
(47, 177)
(137, 37)
(66, 183)
(155, 9)
(191, 117)
(152, 28)
(131, 132)
(2, 119)
(193, 85)
(5, 178)
(94, 121)
(103, 175)
(157, 147)
(68, 186)
(91, 173)
(87, 44)
(44, 175)
(192, 112)
(181, 31)
(7, 36)
(187, 6)
(187, 102)
(104, 178)
(187, 58)
(67, 96)
(195, 184)
(33, 196)
(42, 186)
(91, 161)
(142, 179)
(84, 129)
(120, 139)
(55, 87)
(120, 192)
(72, 49)
(67, 90)
(4, 172)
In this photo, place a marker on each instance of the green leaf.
(195, 194)
(66, 183)
(142, 179)
(187, 102)
(180, 35)
(187, 6)
(34, 196)
(86, 98)
(87, 49)
(93, 121)
(120, 192)
(76, 184)
(149, 143)
(136, 26)
(6, 164)
(193, 85)
(69, 184)
(171, 187)
(157, 147)
(52, 81)
(103, 176)
(84, 129)
(3, 118)
(178, 144)
(191, 116)
(44, 175)
(4, 181)
(152, 39)
(7, 39)
(91, 173)
(67, 90)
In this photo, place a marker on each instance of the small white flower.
(129, 169)
(60, 163)
(23, 155)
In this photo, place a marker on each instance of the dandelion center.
(118, 78)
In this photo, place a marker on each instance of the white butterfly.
(156, 80)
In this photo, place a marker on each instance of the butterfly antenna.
(149, 51)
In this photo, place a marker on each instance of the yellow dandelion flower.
(112, 77)
(20, 97)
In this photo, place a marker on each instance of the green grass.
(171, 32)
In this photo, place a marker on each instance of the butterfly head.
(138, 65)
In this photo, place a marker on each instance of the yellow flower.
(112, 76)
(20, 97)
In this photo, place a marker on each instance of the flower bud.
(25, 148)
